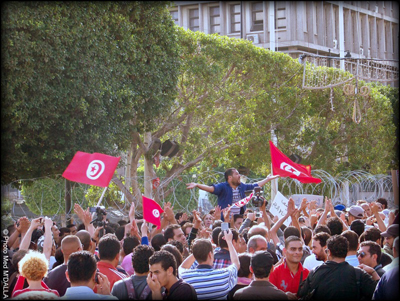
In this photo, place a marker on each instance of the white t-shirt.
(311, 262)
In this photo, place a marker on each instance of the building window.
(215, 20)
(194, 19)
(280, 21)
(257, 18)
(235, 18)
(174, 15)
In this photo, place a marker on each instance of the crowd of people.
(327, 253)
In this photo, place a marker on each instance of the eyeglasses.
(361, 254)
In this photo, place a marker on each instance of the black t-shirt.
(181, 290)
(57, 280)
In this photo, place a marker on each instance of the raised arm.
(322, 220)
(200, 186)
(26, 241)
(48, 238)
(273, 232)
(379, 221)
(232, 251)
(267, 179)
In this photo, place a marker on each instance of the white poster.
(299, 197)
(279, 207)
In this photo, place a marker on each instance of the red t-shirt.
(111, 272)
(284, 279)
(19, 292)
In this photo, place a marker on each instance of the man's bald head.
(69, 245)
(85, 239)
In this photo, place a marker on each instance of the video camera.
(258, 199)
(100, 212)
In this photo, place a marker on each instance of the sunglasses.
(361, 254)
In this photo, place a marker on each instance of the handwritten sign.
(279, 207)
(299, 197)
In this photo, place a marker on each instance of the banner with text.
(299, 197)
(279, 207)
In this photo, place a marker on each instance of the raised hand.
(191, 185)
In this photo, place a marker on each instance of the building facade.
(362, 29)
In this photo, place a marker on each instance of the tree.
(81, 76)
(231, 94)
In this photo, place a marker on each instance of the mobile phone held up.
(224, 226)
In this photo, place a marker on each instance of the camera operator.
(232, 190)
(101, 219)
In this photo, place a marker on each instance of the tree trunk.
(67, 197)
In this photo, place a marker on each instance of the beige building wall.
(367, 29)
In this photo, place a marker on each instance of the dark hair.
(335, 225)
(109, 247)
(322, 228)
(338, 245)
(261, 263)
(352, 238)
(374, 248)
(109, 230)
(169, 231)
(17, 256)
(178, 215)
(80, 227)
(214, 235)
(157, 241)
(59, 256)
(322, 237)
(177, 244)
(291, 231)
(383, 201)
(36, 234)
(120, 232)
(129, 244)
(244, 260)
(64, 230)
(140, 258)
(81, 266)
(222, 242)
(166, 259)
(217, 223)
(201, 247)
(69, 226)
(291, 238)
(228, 173)
(236, 216)
(122, 222)
(306, 233)
(372, 234)
(357, 226)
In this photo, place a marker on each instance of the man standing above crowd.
(232, 190)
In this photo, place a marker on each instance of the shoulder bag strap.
(130, 288)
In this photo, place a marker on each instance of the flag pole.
(101, 198)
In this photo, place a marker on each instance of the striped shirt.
(210, 284)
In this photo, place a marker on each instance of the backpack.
(132, 293)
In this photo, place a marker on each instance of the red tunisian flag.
(283, 166)
(152, 211)
(244, 201)
(93, 169)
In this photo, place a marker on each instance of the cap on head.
(391, 231)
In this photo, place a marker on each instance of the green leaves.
(81, 76)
